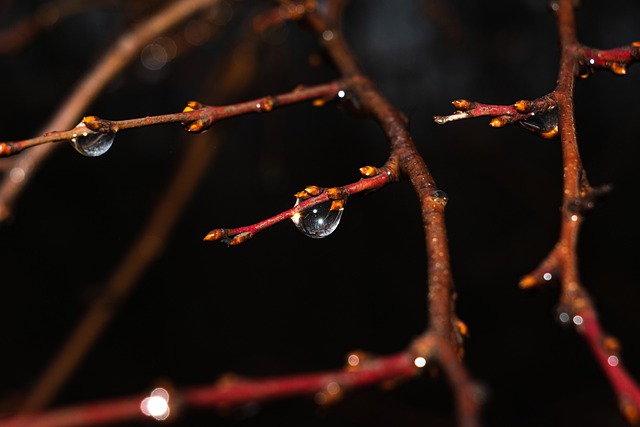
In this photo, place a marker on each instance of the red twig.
(312, 196)
(616, 60)
(326, 386)
(195, 117)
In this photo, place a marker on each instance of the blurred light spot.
(327, 35)
(156, 405)
(564, 317)
(613, 360)
(154, 56)
(341, 94)
(420, 362)
(16, 175)
(353, 360)
(574, 217)
(333, 388)
(197, 32)
(592, 61)
(578, 320)
(547, 276)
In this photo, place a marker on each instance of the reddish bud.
(462, 104)
(240, 238)
(369, 171)
(336, 193)
(313, 190)
(619, 69)
(498, 122)
(336, 205)
(215, 235)
(522, 106)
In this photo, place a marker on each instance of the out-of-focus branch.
(326, 387)
(48, 14)
(119, 56)
(148, 244)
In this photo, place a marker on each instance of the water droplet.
(90, 143)
(542, 124)
(318, 221)
(585, 69)
(440, 197)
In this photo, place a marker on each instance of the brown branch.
(557, 109)
(576, 191)
(115, 60)
(47, 15)
(442, 331)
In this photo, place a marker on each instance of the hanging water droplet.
(90, 143)
(542, 124)
(318, 221)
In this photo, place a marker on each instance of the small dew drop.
(578, 320)
(574, 218)
(420, 362)
(318, 221)
(440, 197)
(613, 360)
(92, 144)
(341, 94)
(564, 317)
(547, 276)
(327, 35)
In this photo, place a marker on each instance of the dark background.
(283, 303)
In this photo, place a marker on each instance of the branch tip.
(215, 235)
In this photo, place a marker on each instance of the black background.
(283, 303)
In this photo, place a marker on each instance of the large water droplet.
(542, 124)
(318, 221)
(90, 143)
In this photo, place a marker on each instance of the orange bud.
(369, 171)
(498, 122)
